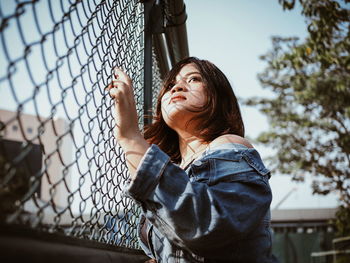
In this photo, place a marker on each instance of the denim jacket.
(218, 210)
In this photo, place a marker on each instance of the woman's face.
(184, 97)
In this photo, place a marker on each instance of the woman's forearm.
(134, 150)
(126, 130)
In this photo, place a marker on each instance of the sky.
(233, 34)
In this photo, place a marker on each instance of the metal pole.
(147, 94)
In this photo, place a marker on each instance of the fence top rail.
(330, 253)
(341, 239)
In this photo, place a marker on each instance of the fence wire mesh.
(61, 168)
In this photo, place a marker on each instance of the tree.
(310, 110)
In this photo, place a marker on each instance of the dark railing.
(61, 168)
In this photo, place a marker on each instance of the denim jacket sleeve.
(224, 196)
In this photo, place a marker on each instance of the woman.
(202, 187)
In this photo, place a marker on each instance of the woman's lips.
(177, 98)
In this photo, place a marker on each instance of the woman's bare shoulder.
(230, 138)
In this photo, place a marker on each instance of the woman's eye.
(194, 79)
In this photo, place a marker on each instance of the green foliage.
(342, 221)
(310, 110)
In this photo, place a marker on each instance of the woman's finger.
(119, 88)
(113, 92)
(120, 84)
(115, 84)
(120, 75)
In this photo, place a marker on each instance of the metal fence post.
(147, 95)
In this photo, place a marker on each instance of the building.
(40, 150)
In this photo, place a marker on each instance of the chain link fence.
(61, 168)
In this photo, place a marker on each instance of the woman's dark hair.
(220, 115)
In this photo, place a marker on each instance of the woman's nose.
(179, 86)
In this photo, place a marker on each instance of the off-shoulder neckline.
(217, 147)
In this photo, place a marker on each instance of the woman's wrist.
(132, 141)
(134, 148)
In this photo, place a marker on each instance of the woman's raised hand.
(125, 116)
(126, 129)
